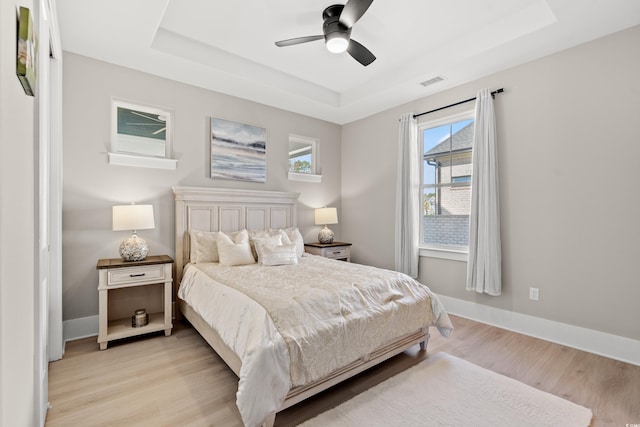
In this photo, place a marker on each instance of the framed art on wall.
(27, 48)
(238, 151)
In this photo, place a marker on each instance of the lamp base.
(325, 236)
(134, 249)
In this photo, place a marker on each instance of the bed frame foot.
(423, 344)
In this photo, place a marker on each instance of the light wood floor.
(180, 381)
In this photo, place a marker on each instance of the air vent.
(432, 81)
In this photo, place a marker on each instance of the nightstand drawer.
(121, 276)
(336, 253)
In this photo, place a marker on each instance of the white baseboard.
(607, 345)
(601, 343)
(75, 329)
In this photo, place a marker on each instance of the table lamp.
(133, 217)
(326, 216)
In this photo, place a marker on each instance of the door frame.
(56, 333)
(48, 286)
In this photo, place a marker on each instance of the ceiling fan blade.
(353, 11)
(360, 53)
(298, 40)
(145, 116)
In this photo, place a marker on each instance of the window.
(141, 136)
(466, 179)
(303, 159)
(446, 182)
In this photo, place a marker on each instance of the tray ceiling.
(229, 46)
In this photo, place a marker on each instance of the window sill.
(440, 253)
(142, 161)
(305, 177)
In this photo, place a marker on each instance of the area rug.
(447, 391)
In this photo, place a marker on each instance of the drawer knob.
(137, 275)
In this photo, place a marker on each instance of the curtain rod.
(457, 103)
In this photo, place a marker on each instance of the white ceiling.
(229, 46)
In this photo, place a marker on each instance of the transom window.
(140, 130)
(141, 136)
(303, 159)
(446, 181)
(301, 154)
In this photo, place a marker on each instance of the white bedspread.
(293, 328)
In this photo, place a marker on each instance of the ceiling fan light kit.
(337, 43)
(338, 22)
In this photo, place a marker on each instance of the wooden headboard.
(222, 209)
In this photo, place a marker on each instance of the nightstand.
(336, 250)
(125, 286)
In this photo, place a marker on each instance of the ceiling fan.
(338, 22)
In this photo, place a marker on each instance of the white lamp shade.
(326, 216)
(133, 217)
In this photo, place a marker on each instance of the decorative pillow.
(277, 255)
(257, 234)
(258, 242)
(278, 237)
(296, 238)
(236, 251)
(203, 246)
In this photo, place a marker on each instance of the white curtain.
(484, 273)
(408, 198)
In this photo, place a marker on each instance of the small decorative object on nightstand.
(133, 217)
(335, 250)
(124, 287)
(140, 318)
(326, 216)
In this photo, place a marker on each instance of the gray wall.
(91, 185)
(569, 155)
(17, 237)
(561, 121)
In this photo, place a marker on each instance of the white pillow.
(277, 255)
(204, 247)
(255, 235)
(296, 238)
(236, 251)
(272, 240)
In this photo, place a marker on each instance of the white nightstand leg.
(103, 320)
(167, 305)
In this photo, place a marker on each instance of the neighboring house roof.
(462, 140)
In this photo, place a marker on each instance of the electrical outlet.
(534, 294)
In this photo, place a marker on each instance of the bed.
(278, 361)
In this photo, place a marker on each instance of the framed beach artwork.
(27, 48)
(238, 151)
